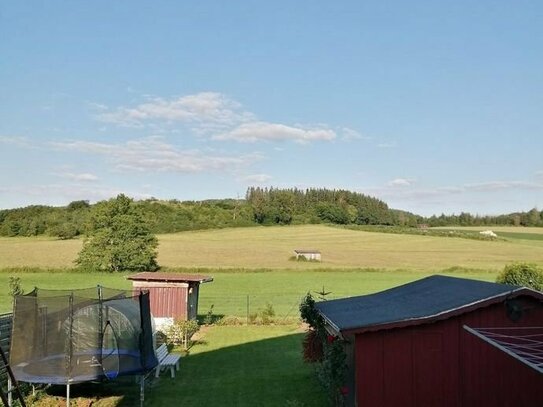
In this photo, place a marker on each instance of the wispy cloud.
(67, 192)
(16, 141)
(348, 134)
(78, 177)
(204, 108)
(259, 131)
(402, 189)
(215, 116)
(401, 182)
(155, 155)
(258, 178)
(389, 144)
(503, 185)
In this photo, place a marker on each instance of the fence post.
(247, 309)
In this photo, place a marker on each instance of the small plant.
(252, 318)
(230, 320)
(180, 332)
(15, 287)
(323, 293)
(267, 314)
(209, 318)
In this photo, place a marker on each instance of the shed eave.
(438, 316)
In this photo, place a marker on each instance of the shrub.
(209, 318)
(252, 318)
(181, 331)
(522, 274)
(267, 314)
(15, 287)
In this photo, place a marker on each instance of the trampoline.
(87, 366)
(68, 337)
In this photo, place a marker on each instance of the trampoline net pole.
(100, 343)
(70, 338)
(68, 395)
(142, 390)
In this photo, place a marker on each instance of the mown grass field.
(271, 247)
(230, 290)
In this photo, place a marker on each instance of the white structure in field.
(488, 233)
(314, 255)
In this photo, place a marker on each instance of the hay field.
(271, 247)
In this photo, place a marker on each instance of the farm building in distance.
(172, 295)
(419, 344)
(308, 254)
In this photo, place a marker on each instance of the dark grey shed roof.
(421, 301)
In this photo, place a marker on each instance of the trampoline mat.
(85, 367)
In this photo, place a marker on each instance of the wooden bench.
(166, 360)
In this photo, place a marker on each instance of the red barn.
(430, 343)
(171, 295)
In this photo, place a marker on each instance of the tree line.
(261, 206)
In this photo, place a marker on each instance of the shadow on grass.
(257, 372)
(267, 372)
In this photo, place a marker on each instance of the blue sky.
(431, 106)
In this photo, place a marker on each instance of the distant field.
(511, 229)
(271, 247)
(507, 232)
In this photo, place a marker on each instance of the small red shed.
(172, 295)
(409, 346)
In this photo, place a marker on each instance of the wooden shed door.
(193, 302)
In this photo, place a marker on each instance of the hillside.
(272, 247)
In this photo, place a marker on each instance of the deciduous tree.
(118, 238)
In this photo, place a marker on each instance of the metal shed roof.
(170, 277)
(431, 298)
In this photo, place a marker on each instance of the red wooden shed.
(172, 295)
(414, 345)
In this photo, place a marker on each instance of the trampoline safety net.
(63, 337)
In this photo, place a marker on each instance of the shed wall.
(441, 364)
(167, 300)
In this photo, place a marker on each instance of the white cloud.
(16, 141)
(390, 191)
(63, 193)
(401, 182)
(206, 108)
(258, 178)
(348, 134)
(79, 177)
(259, 131)
(215, 116)
(390, 144)
(155, 155)
(503, 185)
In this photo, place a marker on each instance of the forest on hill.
(261, 206)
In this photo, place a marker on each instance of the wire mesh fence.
(250, 308)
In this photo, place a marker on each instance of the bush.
(209, 318)
(15, 287)
(181, 331)
(522, 274)
(267, 314)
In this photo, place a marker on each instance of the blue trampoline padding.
(130, 363)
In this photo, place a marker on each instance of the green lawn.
(229, 290)
(243, 366)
